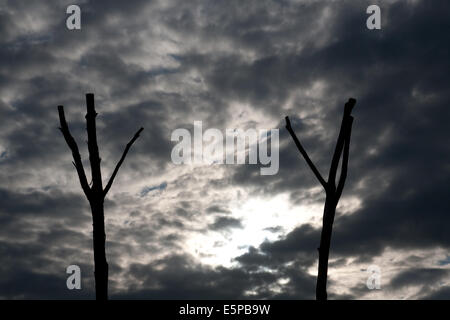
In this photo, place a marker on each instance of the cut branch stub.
(349, 106)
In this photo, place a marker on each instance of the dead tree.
(333, 192)
(95, 194)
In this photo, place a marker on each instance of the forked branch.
(75, 152)
(95, 194)
(129, 144)
(340, 142)
(304, 154)
(345, 155)
(333, 193)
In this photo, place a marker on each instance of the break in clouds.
(226, 231)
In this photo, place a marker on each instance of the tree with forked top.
(96, 193)
(333, 192)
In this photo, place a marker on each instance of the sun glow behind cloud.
(262, 219)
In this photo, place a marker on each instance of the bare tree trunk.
(333, 192)
(95, 194)
(96, 202)
(324, 248)
(100, 263)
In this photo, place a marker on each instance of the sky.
(193, 231)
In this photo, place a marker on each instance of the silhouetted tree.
(95, 194)
(333, 192)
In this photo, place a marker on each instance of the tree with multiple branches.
(96, 193)
(333, 192)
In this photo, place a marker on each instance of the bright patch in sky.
(259, 216)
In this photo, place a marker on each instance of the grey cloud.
(217, 209)
(263, 53)
(441, 294)
(418, 277)
(179, 277)
(223, 222)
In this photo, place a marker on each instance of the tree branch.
(340, 143)
(129, 144)
(75, 152)
(94, 157)
(343, 175)
(304, 154)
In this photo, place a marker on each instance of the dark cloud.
(441, 294)
(224, 222)
(217, 209)
(398, 161)
(162, 67)
(180, 277)
(146, 190)
(36, 269)
(418, 277)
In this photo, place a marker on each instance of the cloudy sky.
(225, 231)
